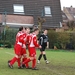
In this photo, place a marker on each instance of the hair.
(44, 30)
(21, 28)
(27, 28)
(35, 29)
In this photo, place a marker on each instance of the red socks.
(13, 61)
(24, 59)
(34, 63)
(19, 63)
(26, 62)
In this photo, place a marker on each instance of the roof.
(70, 12)
(17, 20)
(64, 17)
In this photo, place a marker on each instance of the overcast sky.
(67, 3)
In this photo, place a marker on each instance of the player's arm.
(27, 39)
(21, 39)
(40, 39)
(36, 43)
(47, 43)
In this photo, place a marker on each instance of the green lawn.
(61, 63)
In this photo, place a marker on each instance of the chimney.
(71, 8)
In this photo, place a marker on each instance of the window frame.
(16, 7)
(47, 11)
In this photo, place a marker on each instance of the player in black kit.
(43, 41)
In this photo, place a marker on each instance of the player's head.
(45, 31)
(22, 29)
(28, 30)
(36, 31)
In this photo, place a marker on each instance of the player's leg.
(10, 64)
(19, 62)
(39, 58)
(34, 63)
(45, 58)
(24, 59)
(24, 54)
(27, 61)
(41, 54)
(17, 50)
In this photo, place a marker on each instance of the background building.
(48, 9)
(68, 16)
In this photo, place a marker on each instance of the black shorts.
(43, 48)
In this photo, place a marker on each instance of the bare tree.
(71, 25)
(40, 22)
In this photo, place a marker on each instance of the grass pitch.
(61, 63)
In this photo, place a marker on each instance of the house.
(12, 11)
(68, 14)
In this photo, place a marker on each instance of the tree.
(40, 22)
(71, 25)
(63, 38)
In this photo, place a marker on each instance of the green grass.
(61, 63)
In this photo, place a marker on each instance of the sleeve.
(27, 39)
(35, 42)
(41, 40)
(21, 39)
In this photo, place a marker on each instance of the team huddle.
(25, 39)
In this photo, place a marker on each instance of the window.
(63, 16)
(18, 9)
(74, 16)
(47, 10)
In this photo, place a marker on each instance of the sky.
(67, 3)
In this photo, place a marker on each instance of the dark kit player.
(43, 41)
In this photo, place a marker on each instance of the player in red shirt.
(32, 39)
(23, 51)
(18, 47)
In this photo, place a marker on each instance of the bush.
(7, 44)
(57, 45)
(72, 39)
(64, 38)
(10, 35)
(69, 46)
(52, 38)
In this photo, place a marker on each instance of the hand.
(47, 47)
(24, 46)
(40, 46)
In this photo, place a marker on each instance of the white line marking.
(9, 53)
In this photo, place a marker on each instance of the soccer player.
(43, 41)
(32, 49)
(18, 47)
(23, 51)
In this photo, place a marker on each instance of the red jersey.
(33, 40)
(20, 38)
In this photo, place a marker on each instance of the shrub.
(52, 38)
(7, 44)
(72, 40)
(64, 38)
(57, 45)
(10, 35)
